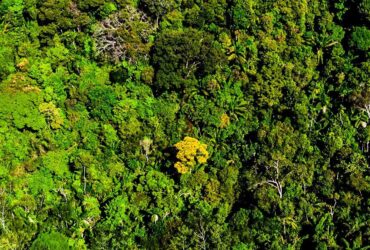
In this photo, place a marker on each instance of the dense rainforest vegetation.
(184, 124)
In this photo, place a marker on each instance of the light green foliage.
(11, 10)
(53, 114)
(107, 9)
(21, 109)
(91, 207)
(52, 240)
(56, 162)
(42, 182)
(101, 102)
(90, 75)
(110, 135)
(15, 147)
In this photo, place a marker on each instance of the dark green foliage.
(364, 9)
(192, 124)
(6, 57)
(101, 102)
(158, 8)
(361, 38)
(191, 54)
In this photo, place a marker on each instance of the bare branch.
(274, 181)
(124, 35)
(201, 235)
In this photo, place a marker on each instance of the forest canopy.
(184, 124)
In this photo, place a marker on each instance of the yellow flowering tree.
(190, 152)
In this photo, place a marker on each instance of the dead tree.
(124, 35)
(201, 236)
(366, 108)
(274, 180)
(146, 143)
